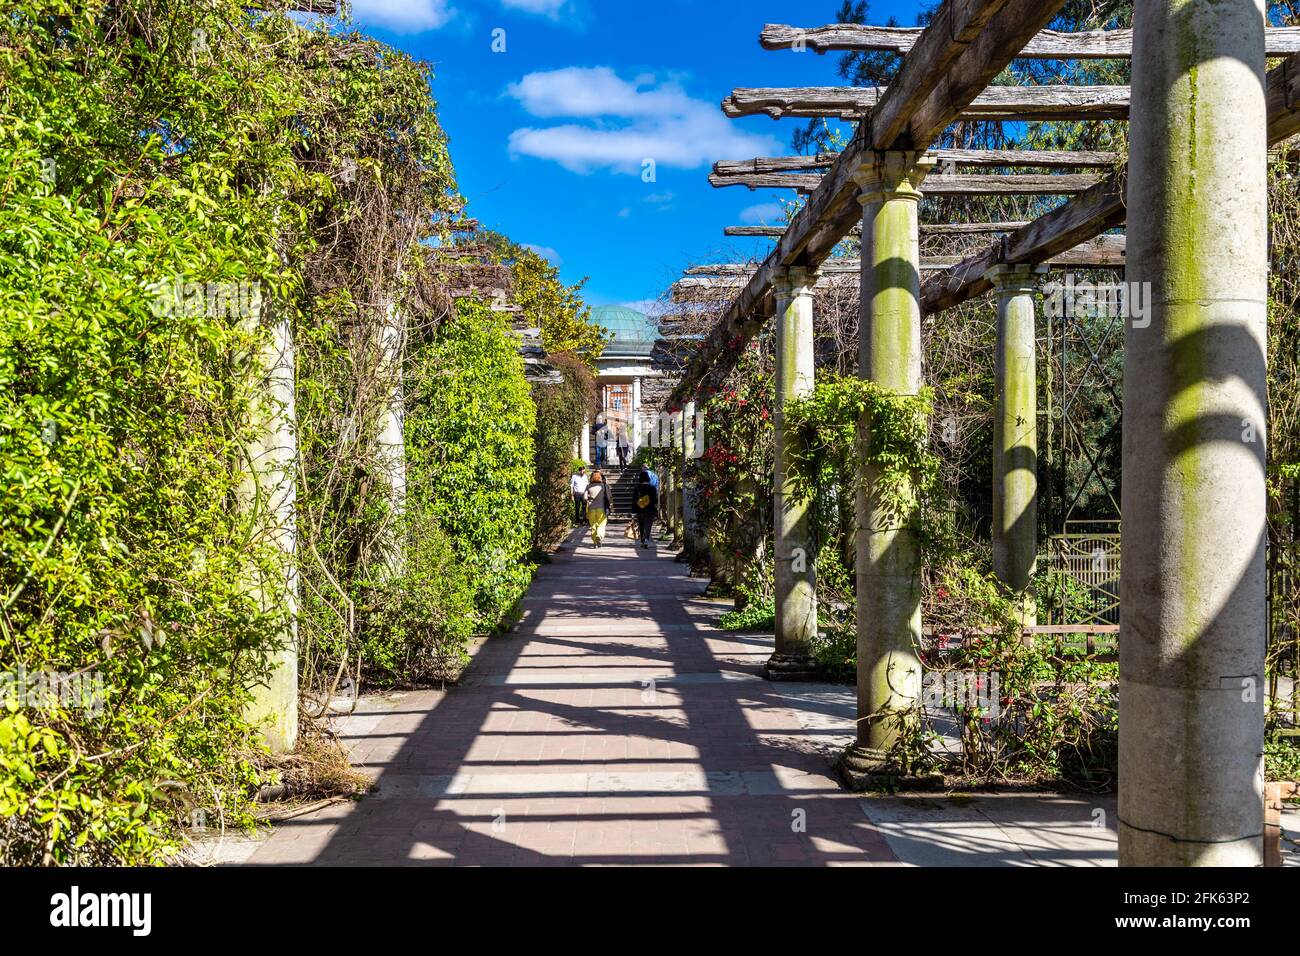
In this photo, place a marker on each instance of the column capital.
(1012, 278)
(793, 281)
(895, 174)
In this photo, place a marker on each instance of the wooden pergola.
(1202, 111)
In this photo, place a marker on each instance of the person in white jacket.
(578, 488)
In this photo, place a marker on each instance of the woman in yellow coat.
(598, 507)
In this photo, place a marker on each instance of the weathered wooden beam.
(701, 282)
(835, 266)
(1282, 99)
(968, 228)
(958, 87)
(1100, 252)
(1047, 45)
(755, 231)
(774, 164)
(832, 210)
(1085, 216)
(995, 103)
(956, 25)
(1100, 208)
(939, 183)
(927, 229)
(1036, 158)
(700, 289)
(803, 182)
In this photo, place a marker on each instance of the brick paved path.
(613, 726)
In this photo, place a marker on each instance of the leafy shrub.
(759, 616)
(416, 624)
(733, 476)
(470, 424)
(1281, 758)
(1054, 715)
(122, 553)
(135, 161)
(561, 416)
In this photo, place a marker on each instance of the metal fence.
(1086, 562)
(1284, 635)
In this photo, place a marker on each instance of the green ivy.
(133, 156)
(562, 411)
(849, 425)
(733, 476)
(470, 425)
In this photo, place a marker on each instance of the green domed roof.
(628, 325)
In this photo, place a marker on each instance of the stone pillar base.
(866, 768)
(790, 667)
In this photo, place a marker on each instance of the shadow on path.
(612, 726)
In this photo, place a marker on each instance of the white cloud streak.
(546, 252)
(546, 8)
(767, 213)
(631, 122)
(403, 16)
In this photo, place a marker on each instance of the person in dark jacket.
(647, 505)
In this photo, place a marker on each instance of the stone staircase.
(622, 488)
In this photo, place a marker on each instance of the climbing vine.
(853, 426)
(563, 408)
(173, 176)
(126, 175)
(733, 477)
(470, 427)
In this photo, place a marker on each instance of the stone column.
(585, 453)
(679, 484)
(888, 560)
(634, 435)
(795, 583)
(1192, 573)
(690, 526)
(268, 493)
(391, 441)
(1015, 434)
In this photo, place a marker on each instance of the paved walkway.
(615, 725)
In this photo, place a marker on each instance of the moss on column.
(888, 560)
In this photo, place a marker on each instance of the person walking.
(624, 447)
(647, 505)
(602, 443)
(578, 489)
(598, 507)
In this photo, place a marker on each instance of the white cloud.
(635, 121)
(548, 8)
(546, 252)
(403, 16)
(597, 91)
(768, 212)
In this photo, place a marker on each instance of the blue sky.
(549, 136)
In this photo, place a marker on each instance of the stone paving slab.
(616, 726)
(993, 829)
(613, 726)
